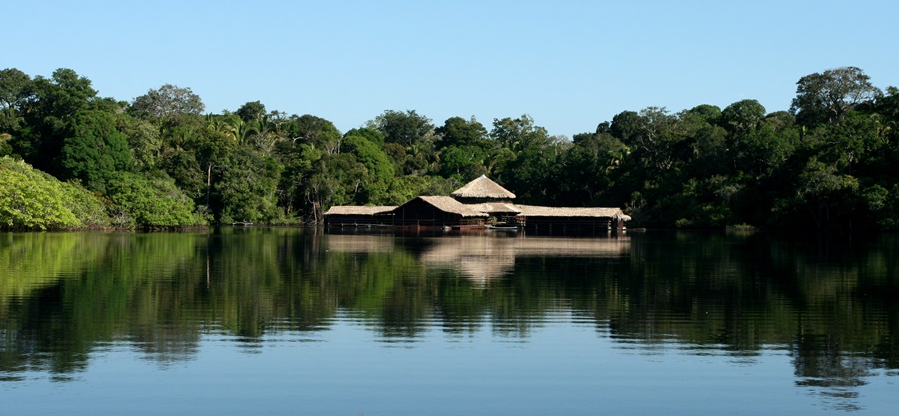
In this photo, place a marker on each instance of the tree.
(651, 135)
(412, 131)
(456, 131)
(823, 192)
(464, 162)
(370, 134)
(587, 166)
(379, 170)
(826, 97)
(368, 153)
(248, 187)
(518, 134)
(144, 139)
(706, 112)
(314, 131)
(14, 90)
(253, 110)
(463, 148)
(167, 101)
(405, 128)
(742, 115)
(50, 106)
(93, 149)
(138, 201)
(29, 200)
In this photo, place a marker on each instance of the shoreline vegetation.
(71, 159)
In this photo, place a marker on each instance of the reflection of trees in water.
(163, 292)
(166, 344)
(823, 366)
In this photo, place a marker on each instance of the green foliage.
(14, 85)
(144, 140)
(519, 134)
(167, 101)
(313, 131)
(254, 110)
(29, 200)
(247, 189)
(463, 162)
(368, 153)
(456, 131)
(829, 162)
(742, 115)
(370, 134)
(826, 97)
(87, 207)
(46, 114)
(411, 132)
(405, 128)
(136, 201)
(94, 149)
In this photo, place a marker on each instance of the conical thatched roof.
(483, 187)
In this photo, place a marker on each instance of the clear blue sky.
(568, 64)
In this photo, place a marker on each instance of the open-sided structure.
(437, 211)
(480, 203)
(351, 215)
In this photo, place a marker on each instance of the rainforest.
(72, 159)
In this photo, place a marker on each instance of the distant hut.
(437, 211)
(348, 215)
(548, 218)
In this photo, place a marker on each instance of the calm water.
(285, 321)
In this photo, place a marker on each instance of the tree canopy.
(158, 161)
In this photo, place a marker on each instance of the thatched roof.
(598, 212)
(490, 207)
(358, 210)
(447, 204)
(483, 187)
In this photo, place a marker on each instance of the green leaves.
(826, 97)
(167, 101)
(94, 149)
(137, 201)
(29, 200)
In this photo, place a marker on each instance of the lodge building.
(482, 203)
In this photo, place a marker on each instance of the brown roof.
(358, 210)
(489, 207)
(537, 211)
(448, 204)
(483, 187)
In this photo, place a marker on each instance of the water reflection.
(482, 257)
(831, 307)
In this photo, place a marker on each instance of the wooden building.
(437, 211)
(478, 204)
(355, 216)
(565, 218)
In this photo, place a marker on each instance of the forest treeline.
(70, 158)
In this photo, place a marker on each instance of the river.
(287, 321)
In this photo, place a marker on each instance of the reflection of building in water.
(484, 257)
(360, 243)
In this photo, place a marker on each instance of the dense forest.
(70, 158)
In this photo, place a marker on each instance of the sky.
(569, 65)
